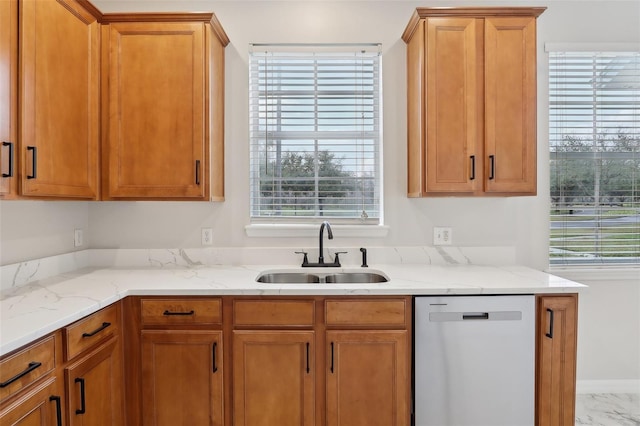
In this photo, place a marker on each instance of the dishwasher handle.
(475, 316)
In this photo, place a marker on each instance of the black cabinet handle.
(473, 167)
(97, 330)
(197, 172)
(58, 409)
(191, 312)
(332, 357)
(82, 399)
(308, 358)
(550, 333)
(34, 162)
(214, 349)
(492, 166)
(10, 173)
(32, 366)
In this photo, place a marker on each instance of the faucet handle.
(336, 260)
(305, 259)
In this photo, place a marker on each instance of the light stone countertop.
(33, 310)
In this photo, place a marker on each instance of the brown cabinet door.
(60, 72)
(8, 100)
(94, 387)
(156, 111)
(556, 369)
(273, 378)
(510, 104)
(453, 104)
(182, 378)
(41, 406)
(368, 378)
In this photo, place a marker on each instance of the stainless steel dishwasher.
(474, 360)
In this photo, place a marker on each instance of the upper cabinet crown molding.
(469, 12)
(204, 17)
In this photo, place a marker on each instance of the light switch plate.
(78, 238)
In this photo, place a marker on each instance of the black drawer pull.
(197, 172)
(10, 172)
(32, 366)
(58, 409)
(83, 407)
(191, 312)
(97, 330)
(34, 162)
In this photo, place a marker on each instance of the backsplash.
(19, 274)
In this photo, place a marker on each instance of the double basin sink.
(322, 277)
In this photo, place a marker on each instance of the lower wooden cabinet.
(41, 406)
(182, 378)
(94, 386)
(273, 378)
(367, 378)
(556, 359)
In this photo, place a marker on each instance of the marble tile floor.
(608, 409)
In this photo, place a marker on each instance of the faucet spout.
(321, 244)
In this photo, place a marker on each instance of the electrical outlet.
(78, 238)
(207, 236)
(442, 236)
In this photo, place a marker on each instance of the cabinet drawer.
(26, 366)
(383, 312)
(181, 311)
(93, 329)
(299, 313)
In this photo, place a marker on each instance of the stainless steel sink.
(355, 278)
(288, 278)
(322, 277)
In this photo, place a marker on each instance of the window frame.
(600, 260)
(265, 223)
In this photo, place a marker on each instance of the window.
(315, 132)
(594, 139)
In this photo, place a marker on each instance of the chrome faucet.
(336, 261)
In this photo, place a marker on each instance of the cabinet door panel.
(182, 378)
(37, 407)
(273, 378)
(8, 100)
(510, 104)
(59, 51)
(453, 85)
(368, 378)
(557, 334)
(94, 385)
(156, 146)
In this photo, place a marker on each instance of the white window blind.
(315, 130)
(594, 138)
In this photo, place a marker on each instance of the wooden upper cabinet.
(8, 97)
(163, 107)
(471, 112)
(59, 99)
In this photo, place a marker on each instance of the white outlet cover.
(442, 236)
(78, 238)
(206, 237)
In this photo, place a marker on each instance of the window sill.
(611, 273)
(271, 230)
